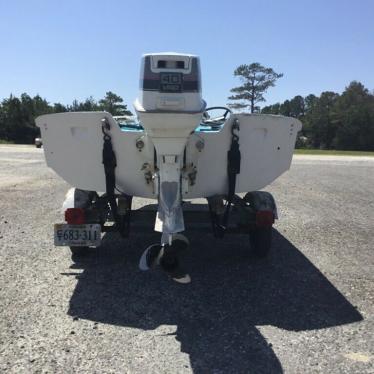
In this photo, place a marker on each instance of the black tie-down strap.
(110, 164)
(233, 168)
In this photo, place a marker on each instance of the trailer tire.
(77, 252)
(260, 240)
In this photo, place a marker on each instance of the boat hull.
(73, 145)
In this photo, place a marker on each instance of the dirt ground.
(308, 308)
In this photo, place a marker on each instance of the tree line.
(17, 114)
(333, 121)
(330, 121)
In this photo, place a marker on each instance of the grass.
(2, 141)
(330, 152)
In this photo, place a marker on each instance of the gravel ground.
(306, 309)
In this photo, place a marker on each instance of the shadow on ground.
(217, 314)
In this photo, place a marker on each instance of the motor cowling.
(170, 105)
(170, 82)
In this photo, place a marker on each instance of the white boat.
(73, 144)
(175, 152)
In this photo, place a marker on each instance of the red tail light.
(264, 218)
(75, 216)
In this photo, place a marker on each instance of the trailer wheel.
(260, 240)
(79, 251)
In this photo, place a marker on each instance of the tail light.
(264, 218)
(75, 216)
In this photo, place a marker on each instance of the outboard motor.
(170, 107)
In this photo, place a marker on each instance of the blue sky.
(73, 49)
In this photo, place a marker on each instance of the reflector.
(75, 216)
(264, 218)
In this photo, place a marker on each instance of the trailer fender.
(76, 198)
(261, 201)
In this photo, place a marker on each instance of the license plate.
(86, 235)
